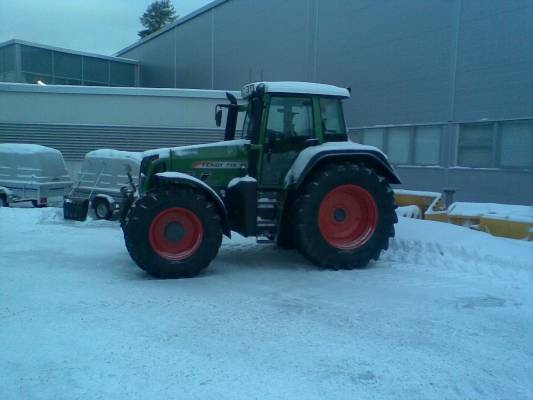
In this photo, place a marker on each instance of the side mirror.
(218, 117)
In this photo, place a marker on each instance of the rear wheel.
(173, 233)
(344, 217)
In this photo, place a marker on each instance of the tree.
(157, 15)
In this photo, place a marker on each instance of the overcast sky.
(98, 26)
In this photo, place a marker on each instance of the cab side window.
(290, 117)
(332, 117)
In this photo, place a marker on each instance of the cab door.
(289, 125)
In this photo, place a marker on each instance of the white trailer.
(32, 173)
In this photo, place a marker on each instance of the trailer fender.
(6, 194)
(178, 178)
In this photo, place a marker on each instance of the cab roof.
(296, 87)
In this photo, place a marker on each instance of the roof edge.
(113, 90)
(68, 51)
(179, 21)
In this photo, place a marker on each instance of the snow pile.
(496, 211)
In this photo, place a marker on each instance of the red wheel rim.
(348, 217)
(175, 233)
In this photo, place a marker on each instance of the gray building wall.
(409, 62)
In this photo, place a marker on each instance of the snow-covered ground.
(447, 313)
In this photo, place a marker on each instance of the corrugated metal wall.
(407, 61)
(74, 141)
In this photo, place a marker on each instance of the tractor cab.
(282, 119)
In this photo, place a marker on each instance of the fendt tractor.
(293, 178)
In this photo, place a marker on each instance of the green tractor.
(292, 178)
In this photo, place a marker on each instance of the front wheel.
(173, 232)
(344, 217)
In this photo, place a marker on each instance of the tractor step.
(264, 240)
(266, 208)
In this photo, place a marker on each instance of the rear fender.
(180, 179)
(303, 167)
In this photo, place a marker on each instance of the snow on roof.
(297, 87)
(110, 153)
(24, 148)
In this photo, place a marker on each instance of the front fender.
(178, 178)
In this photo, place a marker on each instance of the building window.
(36, 60)
(406, 145)
(374, 137)
(504, 144)
(476, 144)
(516, 144)
(399, 144)
(67, 66)
(122, 74)
(96, 70)
(427, 145)
(7, 63)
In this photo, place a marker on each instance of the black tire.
(314, 244)
(3, 201)
(102, 208)
(146, 212)
(36, 204)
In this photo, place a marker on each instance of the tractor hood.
(214, 163)
(196, 149)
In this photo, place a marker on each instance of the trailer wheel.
(3, 201)
(344, 217)
(173, 233)
(102, 208)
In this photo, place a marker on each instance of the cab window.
(290, 117)
(332, 117)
